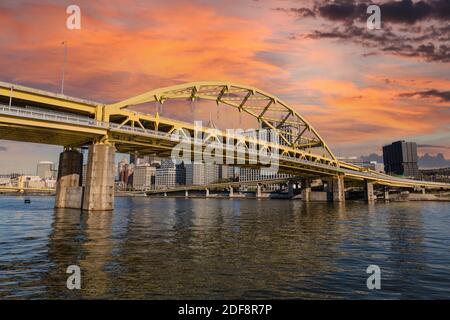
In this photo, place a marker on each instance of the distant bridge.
(22, 190)
(230, 186)
(38, 116)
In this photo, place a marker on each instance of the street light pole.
(64, 66)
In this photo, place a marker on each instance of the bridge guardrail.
(56, 117)
(86, 121)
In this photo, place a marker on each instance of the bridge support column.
(306, 189)
(231, 192)
(338, 189)
(186, 193)
(207, 192)
(290, 189)
(99, 189)
(69, 191)
(386, 194)
(369, 194)
(258, 191)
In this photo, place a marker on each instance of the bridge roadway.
(85, 123)
(32, 115)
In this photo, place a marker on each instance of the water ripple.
(221, 248)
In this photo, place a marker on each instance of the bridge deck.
(75, 122)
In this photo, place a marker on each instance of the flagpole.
(64, 66)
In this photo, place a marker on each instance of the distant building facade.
(170, 174)
(44, 170)
(376, 166)
(400, 158)
(251, 174)
(5, 182)
(195, 174)
(141, 160)
(200, 174)
(226, 173)
(50, 183)
(125, 174)
(144, 177)
(35, 182)
(358, 161)
(121, 169)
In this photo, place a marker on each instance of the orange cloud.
(127, 47)
(182, 44)
(351, 113)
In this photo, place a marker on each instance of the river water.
(167, 248)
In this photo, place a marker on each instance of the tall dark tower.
(400, 158)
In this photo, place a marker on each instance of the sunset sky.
(359, 88)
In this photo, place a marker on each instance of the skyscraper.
(226, 173)
(144, 177)
(45, 169)
(170, 174)
(400, 158)
(138, 160)
(141, 160)
(195, 174)
(121, 169)
(200, 173)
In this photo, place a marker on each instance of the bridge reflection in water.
(217, 248)
(83, 240)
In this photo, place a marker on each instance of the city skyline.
(27, 165)
(355, 88)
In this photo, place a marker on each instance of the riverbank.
(393, 197)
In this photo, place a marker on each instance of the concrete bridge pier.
(231, 194)
(386, 194)
(207, 192)
(186, 194)
(338, 189)
(69, 192)
(258, 191)
(99, 188)
(369, 194)
(290, 186)
(306, 189)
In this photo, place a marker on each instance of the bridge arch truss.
(297, 138)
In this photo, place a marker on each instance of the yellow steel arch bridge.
(32, 115)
